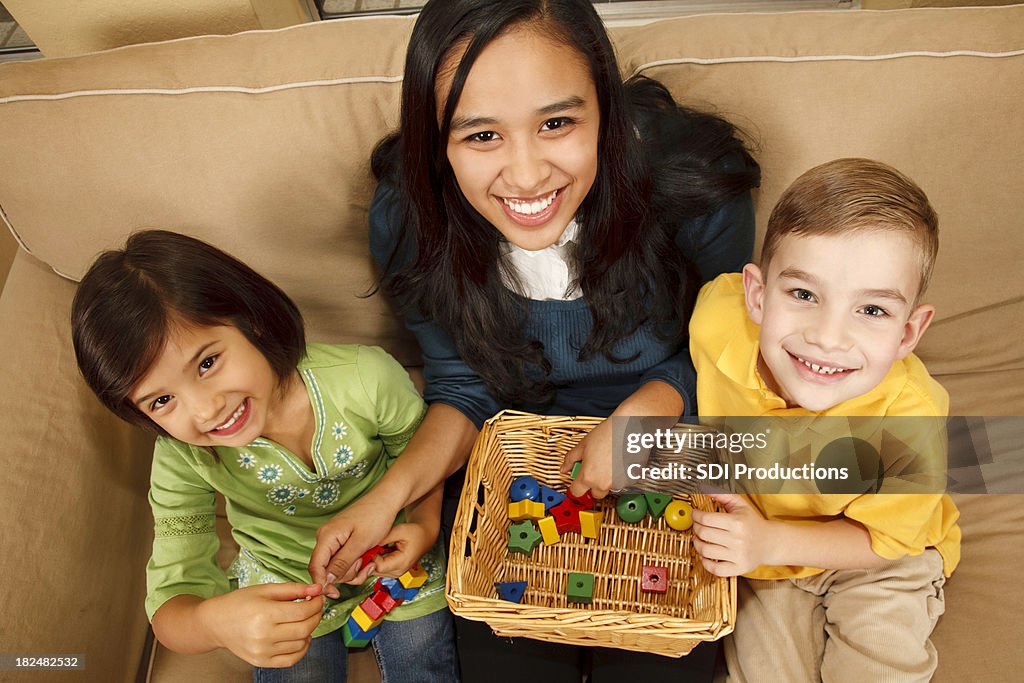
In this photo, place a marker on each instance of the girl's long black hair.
(657, 166)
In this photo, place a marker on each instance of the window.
(14, 42)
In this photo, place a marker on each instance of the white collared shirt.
(546, 274)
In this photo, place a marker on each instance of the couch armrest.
(77, 527)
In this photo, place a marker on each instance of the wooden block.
(523, 537)
(384, 600)
(654, 579)
(590, 522)
(373, 610)
(584, 502)
(550, 497)
(580, 587)
(414, 578)
(513, 591)
(354, 636)
(567, 517)
(549, 531)
(368, 556)
(399, 592)
(365, 622)
(525, 509)
(656, 503)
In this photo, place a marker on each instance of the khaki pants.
(841, 625)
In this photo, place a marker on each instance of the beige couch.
(259, 143)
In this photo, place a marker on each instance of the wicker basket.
(697, 606)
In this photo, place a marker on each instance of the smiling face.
(835, 313)
(523, 139)
(209, 386)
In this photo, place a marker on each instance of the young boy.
(839, 586)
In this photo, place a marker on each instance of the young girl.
(545, 227)
(177, 336)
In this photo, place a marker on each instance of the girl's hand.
(342, 541)
(655, 398)
(733, 542)
(595, 450)
(412, 541)
(267, 625)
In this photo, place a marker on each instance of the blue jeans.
(419, 650)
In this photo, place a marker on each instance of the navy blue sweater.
(718, 242)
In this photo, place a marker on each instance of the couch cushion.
(259, 143)
(978, 638)
(76, 525)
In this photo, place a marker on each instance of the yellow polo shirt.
(724, 346)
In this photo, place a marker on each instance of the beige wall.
(61, 28)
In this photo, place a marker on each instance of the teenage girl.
(545, 228)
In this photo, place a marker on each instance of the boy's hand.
(342, 541)
(267, 625)
(733, 542)
(595, 450)
(412, 541)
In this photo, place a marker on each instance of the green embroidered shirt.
(366, 410)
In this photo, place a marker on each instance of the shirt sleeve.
(185, 542)
(903, 524)
(718, 242)
(397, 405)
(449, 379)
(911, 512)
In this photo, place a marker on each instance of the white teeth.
(530, 208)
(231, 420)
(821, 369)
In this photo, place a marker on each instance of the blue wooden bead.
(524, 488)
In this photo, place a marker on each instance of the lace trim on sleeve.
(403, 437)
(190, 525)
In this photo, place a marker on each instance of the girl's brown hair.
(132, 298)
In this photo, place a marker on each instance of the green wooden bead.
(632, 507)
(656, 503)
(576, 469)
(580, 587)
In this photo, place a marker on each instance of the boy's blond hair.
(855, 194)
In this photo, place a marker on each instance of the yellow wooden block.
(414, 578)
(364, 620)
(590, 523)
(549, 531)
(525, 509)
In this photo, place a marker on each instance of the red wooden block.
(567, 516)
(584, 502)
(383, 599)
(368, 556)
(372, 609)
(654, 579)
(373, 552)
